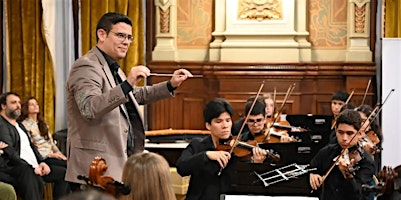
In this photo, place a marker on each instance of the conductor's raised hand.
(137, 73)
(180, 76)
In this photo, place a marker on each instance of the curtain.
(92, 10)
(30, 66)
(392, 27)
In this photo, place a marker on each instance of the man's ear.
(207, 126)
(101, 34)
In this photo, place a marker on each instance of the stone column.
(305, 53)
(358, 36)
(218, 33)
(166, 30)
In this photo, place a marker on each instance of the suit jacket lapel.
(106, 67)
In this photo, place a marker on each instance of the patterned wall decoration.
(194, 24)
(328, 24)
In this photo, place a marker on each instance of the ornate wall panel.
(328, 24)
(194, 24)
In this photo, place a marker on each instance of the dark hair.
(215, 108)
(3, 97)
(367, 110)
(258, 108)
(340, 96)
(350, 117)
(43, 127)
(260, 98)
(109, 19)
(347, 106)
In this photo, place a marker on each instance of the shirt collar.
(113, 65)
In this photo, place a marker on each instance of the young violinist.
(372, 135)
(269, 101)
(212, 172)
(337, 102)
(257, 124)
(340, 182)
(237, 124)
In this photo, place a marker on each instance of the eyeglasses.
(122, 36)
(255, 120)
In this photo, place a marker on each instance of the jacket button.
(126, 131)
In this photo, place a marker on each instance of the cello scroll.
(105, 183)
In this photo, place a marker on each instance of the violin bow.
(245, 120)
(274, 100)
(346, 102)
(381, 107)
(343, 151)
(287, 95)
(366, 91)
(350, 96)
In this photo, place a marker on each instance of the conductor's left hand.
(177, 80)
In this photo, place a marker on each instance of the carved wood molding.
(290, 69)
(315, 84)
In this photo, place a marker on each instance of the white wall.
(391, 113)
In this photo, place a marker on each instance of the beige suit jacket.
(96, 126)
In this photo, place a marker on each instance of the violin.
(386, 185)
(353, 153)
(369, 141)
(243, 149)
(277, 130)
(105, 183)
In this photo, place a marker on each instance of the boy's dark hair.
(258, 108)
(340, 96)
(3, 97)
(109, 19)
(215, 108)
(260, 98)
(348, 106)
(350, 117)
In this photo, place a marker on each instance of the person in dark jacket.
(21, 164)
(342, 182)
(212, 171)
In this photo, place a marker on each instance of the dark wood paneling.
(4, 47)
(236, 82)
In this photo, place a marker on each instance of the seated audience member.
(341, 182)
(21, 163)
(88, 195)
(34, 123)
(149, 177)
(7, 191)
(212, 171)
